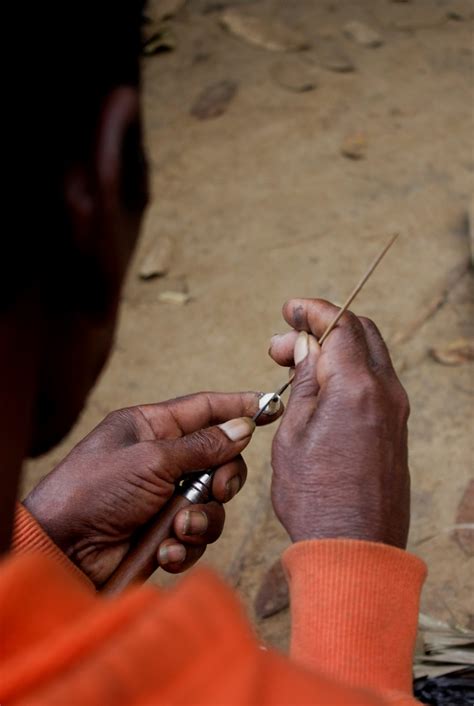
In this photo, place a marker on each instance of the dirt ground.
(261, 205)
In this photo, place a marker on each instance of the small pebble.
(354, 146)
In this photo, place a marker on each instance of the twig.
(357, 289)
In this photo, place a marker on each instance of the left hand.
(126, 469)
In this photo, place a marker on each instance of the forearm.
(354, 610)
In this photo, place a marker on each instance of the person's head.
(82, 187)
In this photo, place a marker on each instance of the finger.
(346, 346)
(206, 448)
(229, 479)
(305, 387)
(282, 346)
(315, 315)
(199, 524)
(187, 414)
(379, 354)
(174, 557)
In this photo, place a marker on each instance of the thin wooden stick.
(357, 289)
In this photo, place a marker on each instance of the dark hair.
(69, 55)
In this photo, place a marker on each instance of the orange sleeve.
(28, 536)
(354, 608)
(188, 646)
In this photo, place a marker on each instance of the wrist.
(50, 517)
(350, 526)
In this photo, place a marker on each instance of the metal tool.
(195, 488)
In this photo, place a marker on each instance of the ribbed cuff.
(29, 537)
(354, 608)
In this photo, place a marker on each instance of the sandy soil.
(261, 205)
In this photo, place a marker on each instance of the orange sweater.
(354, 615)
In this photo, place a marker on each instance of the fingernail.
(301, 349)
(194, 522)
(238, 429)
(172, 554)
(232, 487)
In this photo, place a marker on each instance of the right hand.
(340, 457)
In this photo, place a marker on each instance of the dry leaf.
(273, 595)
(455, 353)
(171, 297)
(268, 33)
(442, 649)
(213, 100)
(362, 34)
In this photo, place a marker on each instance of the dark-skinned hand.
(340, 455)
(126, 469)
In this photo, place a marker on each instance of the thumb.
(304, 387)
(205, 448)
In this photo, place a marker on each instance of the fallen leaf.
(273, 594)
(171, 297)
(455, 353)
(465, 515)
(362, 34)
(213, 100)
(268, 33)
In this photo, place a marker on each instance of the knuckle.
(369, 325)
(365, 386)
(113, 417)
(122, 421)
(205, 442)
(350, 320)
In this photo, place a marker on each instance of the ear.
(105, 195)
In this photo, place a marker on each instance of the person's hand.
(126, 469)
(340, 455)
